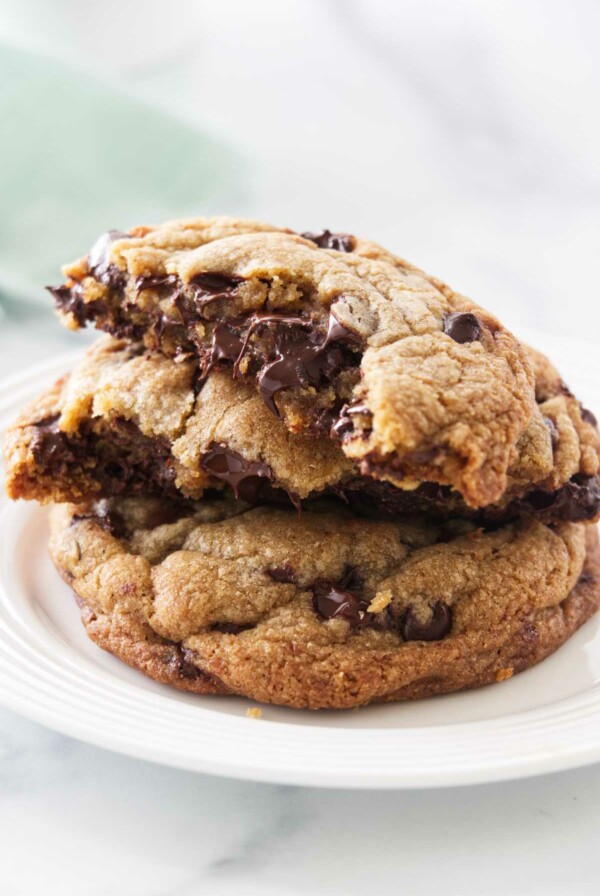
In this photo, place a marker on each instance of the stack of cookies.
(297, 468)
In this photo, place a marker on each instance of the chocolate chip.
(325, 239)
(554, 435)
(283, 574)
(243, 477)
(230, 628)
(463, 326)
(344, 425)
(586, 578)
(588, 417)
(99, 265)
(333, 602)
(434, 629)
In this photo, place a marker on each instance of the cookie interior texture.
(131, 422)
(324, 609)
(340, 338)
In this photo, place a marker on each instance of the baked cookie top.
(322, 609)
(128, 421)
(339, 337)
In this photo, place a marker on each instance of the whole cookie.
(127, 422)
(323, 610)
(341, 339)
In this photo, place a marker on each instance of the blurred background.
(464, 136)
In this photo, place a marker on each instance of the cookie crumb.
(381, 600)
(503, 674)
(254, 712)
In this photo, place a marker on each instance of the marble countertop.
(464, 136)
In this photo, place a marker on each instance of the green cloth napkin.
(78, 157)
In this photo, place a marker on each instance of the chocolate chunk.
(243, 477)
(69, 300)
(333, 602)
(588, 416)
(577, 501)
(344, 425)
(182, 662)
(300, 359)
(463, 326)
(99, 265)
(283, 574)
(434, 629)
(554, 435)
(325, 239)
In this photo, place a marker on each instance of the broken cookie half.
(129, 422)
(340, 339)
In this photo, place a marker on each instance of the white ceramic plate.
(545, 719)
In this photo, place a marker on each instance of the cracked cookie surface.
(323, 610)
(339, 337)
(129, 422)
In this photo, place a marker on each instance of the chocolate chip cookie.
(130, 422)
(340, 338)
(323, 609)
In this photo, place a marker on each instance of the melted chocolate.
(227, 344)
(434, 629)
(243, 477)
(300, 358)
(69, 300)
(251, 481)
(210, 287)
(155, 281)
(577, 501)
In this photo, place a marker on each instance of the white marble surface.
(465, 136)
